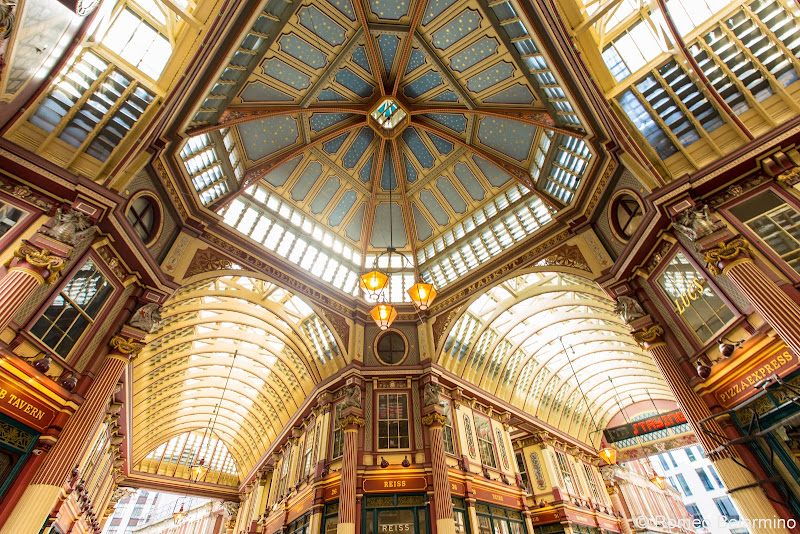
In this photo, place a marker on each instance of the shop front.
(395, 514)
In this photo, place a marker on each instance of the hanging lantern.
(659, 482)
(373, 283)
(422, 295)
(179, 515)
(383, 314)
(608, 454)
(198, 470)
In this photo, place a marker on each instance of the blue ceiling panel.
(321, 200)
(342, 207)
(512, 138)
(468, 180)
(267, 136)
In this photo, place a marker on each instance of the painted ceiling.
(483, 111)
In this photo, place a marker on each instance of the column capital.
(351, 421)
(126, 346)
(648, 335)
(434, 419)
(725, 253)
(40, 258)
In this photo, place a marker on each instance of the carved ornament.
(41, 259)
(125, 345)
(351, 419)
(648, 334)
(725, 252)
(434, 418)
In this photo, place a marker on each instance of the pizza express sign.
(644, 426)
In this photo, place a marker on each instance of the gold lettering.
(3, 393)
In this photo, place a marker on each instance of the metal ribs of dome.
(487, 114)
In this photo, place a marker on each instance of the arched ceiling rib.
(542, 342)
(282, 350)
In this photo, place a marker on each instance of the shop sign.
(685, 299)
(498, 497)
(778, 361)
(331, 493)
(23, 407)
(644, 426)
(458, 488)
(301, 506)
(395, 484)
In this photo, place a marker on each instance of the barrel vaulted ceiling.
(282, 350)
(489, 147)
(550, 344)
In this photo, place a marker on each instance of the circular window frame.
(612, 212)
(158, 219)
(381, 336)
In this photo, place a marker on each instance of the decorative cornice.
(725, 252)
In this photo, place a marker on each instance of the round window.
(626, 214)
(391, 348)
(143, 214)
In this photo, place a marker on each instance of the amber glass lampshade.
(422, 295)
(383, 314)
(199, 470)
(373, 283)
(659, 482)
(179, 515)
(609, 455)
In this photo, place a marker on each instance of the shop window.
(693, 298)
(338, 435)
(395, 514)
(460, 515)
(75, 309)
(330, 520)
(775, 222)
(704, 479)
(672, 459)
(523, 473)
(726, 508)
(393, 421)
(494, 520)
(10, 217)
(483, 429)
(300, 525)
(139, 43)
(143, 215)
(390, 348)
(690, 454)
(566, 473)
(447, 429)
(287, 460)
(663, 462)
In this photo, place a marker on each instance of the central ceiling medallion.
(388, 118)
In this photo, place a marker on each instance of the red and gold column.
(445, 524)
(734, 260)
(30, 268)
(749, 497)
(616, 503)
(44, 493)
(350, 423)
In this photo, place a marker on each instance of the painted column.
(445, 523)
(30, 268)
(619, 509)
(734, 260)
(45, 491)
(350, 423)
(752, 502)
